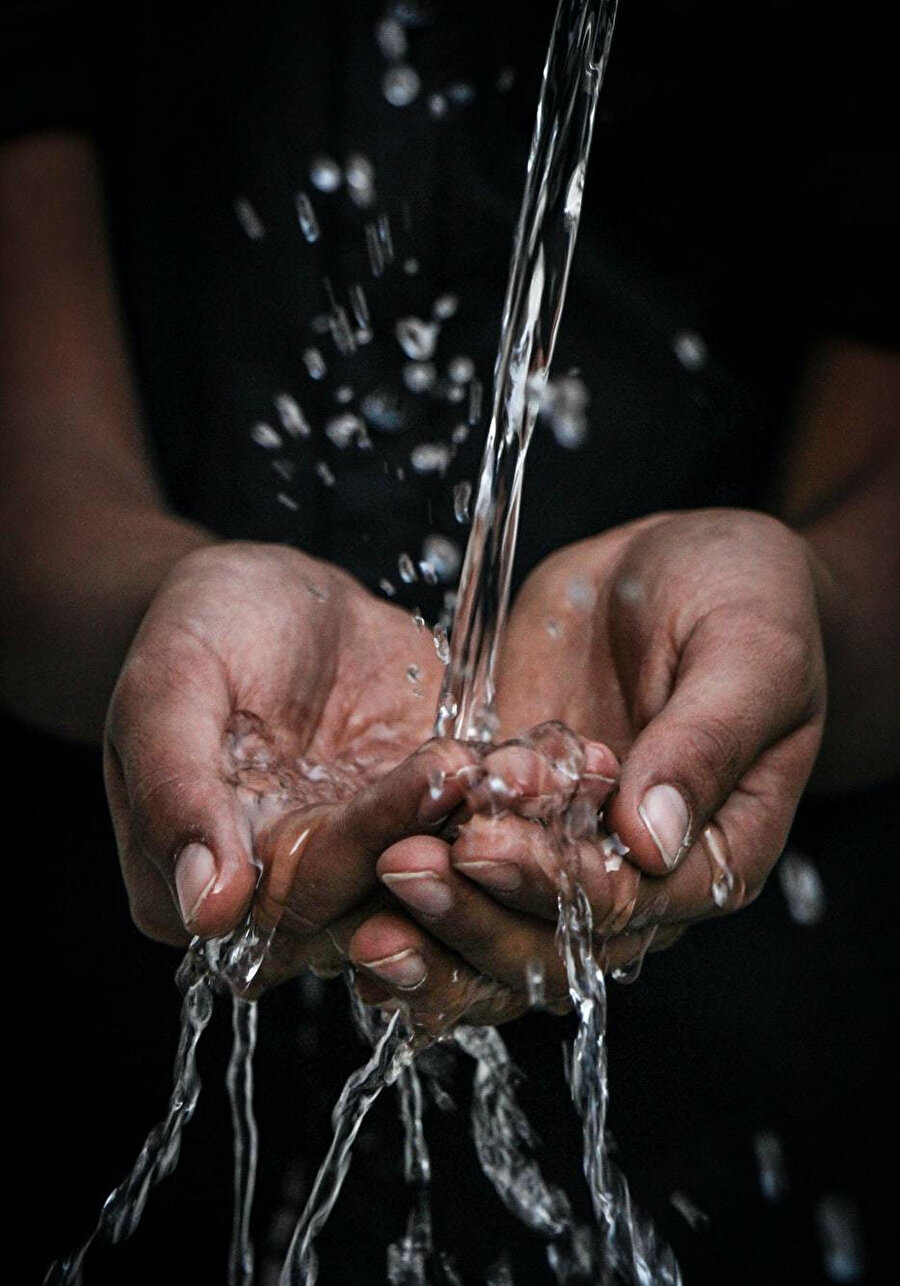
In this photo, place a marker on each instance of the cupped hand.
(265, 743)
(691, 643)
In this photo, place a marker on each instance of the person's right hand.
(266, 736)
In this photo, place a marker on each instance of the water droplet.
(249, 219)
(802, 887)
(562, 405)
(391, 39)
(430, 457)
(401, 85)
(454, 393)
(359, 173)
(461, 369)
(417, 338)
(325, 174)
(407, 569)
(441, 644)
(575, 191)
(418, 619)
(445, 307)
(306, 217)
(437, 106)
(553, 628)
(386, 587)
(840, 1237)
(342, 332)
(286, 469)
(690, 349)
(535, 984)
(461, 93)
(314, 363)
(419, 377)
(413, 673)
(384, 410)
(360, 307)
(287, 501)
(344, 429)
(410, 267)
(475, 394)
(581, 594)
(265, 436)
(292, 418)
(771, 1166)
(693, 1216)
(343, 395)
(324, 473)
(506, 80)
(459, 434)
(442, 556)
(462, 496)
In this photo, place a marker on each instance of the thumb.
(184, 842)
(737, 692)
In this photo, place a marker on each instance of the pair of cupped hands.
(269, 744)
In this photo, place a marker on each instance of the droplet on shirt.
(265, 436)
(400, 85)
(249, 219)
(419, 377)
(417, 338)
(325, 174)
(314, 363)
(430, 457)
(306, 217)
(445, 307)
(443, 556)
(462, 496)
(359, 174)
(344, 429)
(461, 369)
(292, 418)
(802, 887)
(407, 569)
(690, 349)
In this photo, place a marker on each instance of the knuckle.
(714, 750)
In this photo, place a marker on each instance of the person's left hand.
(691, 644)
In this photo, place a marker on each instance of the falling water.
(239, 1080)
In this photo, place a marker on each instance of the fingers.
(492, 939)
(320, 863)
(735, 695)
(183, 840)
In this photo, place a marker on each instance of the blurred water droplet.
(437, 106)
(314, 363)
(265, 436)
(459, 434)
(413, 673)
(359, 173)
(840, 1236)
(360, 306)
(344, 429)
(690, 349)
(410, 267)
(575, 191)
(407, 569)
(771, 1165)
(693, 1216)
(802, 887)
(386, 587)
(249, 219)
(461, 93)
(286, 469)
(400, 85)
(441, 644)
(461, 369)
(292, 418)
(419, 377)
(430, 457)
(535, 984)
(306, 217)
(342, 332)
(475, 394)
(343, 395)
(443, 556)
(391, 39)
(324, 473)
(506, 79)
(462, 496)
(445, 307)
(287, 501)
(562, 405)
(384, 410)
(325, 174)
(417, 338)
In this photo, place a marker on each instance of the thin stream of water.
(239, 1080)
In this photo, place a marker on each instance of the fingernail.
(422, 890)
(405, 969)
(665, 814)
(505, 877)
(195, 875)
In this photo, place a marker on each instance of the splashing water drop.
(391, 39)
(411, 267)
(288, 501)
(461, 369)
(802, 887)
(344, 429)
(417, 338)
(314, 363)
(249, 219)
(383, 410)
(693, 1216)
(771, 1165)
(407, 569)
(413, 673)
(401, 85)
(387, 588)
(462, 496)
(292, 418)
(535, 984)
(430, 457)
(441, 644)
(445, 307)
(419, 377)
(325, 174)
(690, 349)
(443, 556)
(461, 93)
(840, 1237)
(306, 217)
(326, 477)
(437, 106)
(359, 174)
(265, 436)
